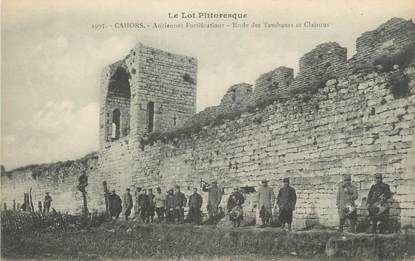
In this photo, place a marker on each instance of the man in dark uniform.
(180, 201)
(170, 206)
(127, 203)
(83, 182)
(378, 206)
(47, 202)
(144, 204)
(151, 205)
(234, 207)
(114, 204)
(195, 203)
(286, 200)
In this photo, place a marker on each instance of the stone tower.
(148, 91)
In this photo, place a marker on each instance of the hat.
(113, 190)
(378, 175)
(215, 182)
(347, 177)
(264, 181)
(177, 186)
(286, 180)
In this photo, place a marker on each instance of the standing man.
(137, 203)
(47, 202)
(179, 202)
(160, 204)
(214, 198)
(378, 206)
(143, 203)
(83, 182)
(151, 205)
(114, 204)
(195, 203)
(346, 196)
(234, 207)
(286, 200)
(127, 203)
(265, 199)
(170, 206)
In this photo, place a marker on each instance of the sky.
(52, 58)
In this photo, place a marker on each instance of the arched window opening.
(174, 120)
(150, 117)
(115, 127)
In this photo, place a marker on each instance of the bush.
(399, 84)
(403, 58)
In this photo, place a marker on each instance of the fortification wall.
(360, 123)
(353, 125)
(59, 179)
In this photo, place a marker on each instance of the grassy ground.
(133, 241)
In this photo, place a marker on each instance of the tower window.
(174, 120)
(150, 116)
(115, 126)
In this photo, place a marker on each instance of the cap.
(113, 190)
(347, 177)
(215, 182)
(264, 181)
(378, 175)
(286, 180)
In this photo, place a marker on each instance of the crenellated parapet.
(324, 61)
(389, 38)
(237, 95)
(273, 82)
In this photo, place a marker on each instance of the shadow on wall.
(312, 218)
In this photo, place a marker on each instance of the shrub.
(399, 84)
(403, 58)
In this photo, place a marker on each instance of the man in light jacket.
(345, 202)
(265, 199)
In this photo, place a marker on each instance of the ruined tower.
(149, 91)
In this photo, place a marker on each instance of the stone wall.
(354, 123)
(59, 179)
(273, 82)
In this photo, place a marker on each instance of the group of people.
(170, 207)
(286, 200)
(377, 204)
